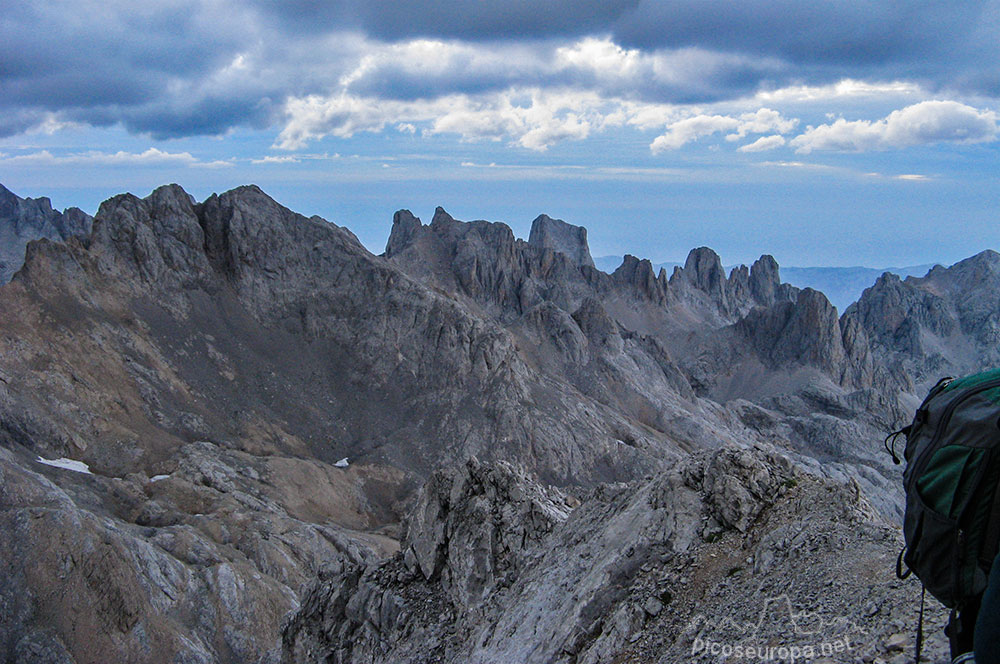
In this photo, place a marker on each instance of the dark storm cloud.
(99, 62)
(822, 31)
(460, 19)
(172, 118)
(847, 32)
(940, 42)
(186, 67)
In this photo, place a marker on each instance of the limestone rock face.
(638, 275)
(764, 283)
(806, 332)
(466, 536)
(739, 485)
(200, 565)
(630, 574)
(703, 269)
(946, 323)
(158, 238)
(471, 525)
(556, 234)
(596, 324)
(25, 219)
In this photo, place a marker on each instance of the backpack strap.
(890, 441)
(900, 572)
(920, 626)
(962, 626)
(953, 630)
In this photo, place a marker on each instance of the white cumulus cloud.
(691, 129)
(684, 131)
(919, 124)
(532, 119)
(764, 143)
(845, 89)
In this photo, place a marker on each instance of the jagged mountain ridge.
(302, 307)
(843, 286)
(25, 219)
(286, 345)
(946, 323)
(720, 339)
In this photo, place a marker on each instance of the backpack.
(952, 520)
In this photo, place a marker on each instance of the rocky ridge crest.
(636, 573)
(25, 219)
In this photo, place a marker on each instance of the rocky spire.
(764, 280)
(441, 217)
(404, 228)
(703, 269)
(640, 274)
(556, 234)
(806, 332)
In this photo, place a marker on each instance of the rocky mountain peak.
(987, 257)
(159, 237)
(10, 203)
(944, 323)
(815, 329)
(640, 274)
(171, 200)
(806, 332)
(441, 217)
(25, 219)
(764, 280)
(703, 268)
(973, 273)
(556, 234)
(404, 228)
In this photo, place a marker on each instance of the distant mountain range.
(841, 285)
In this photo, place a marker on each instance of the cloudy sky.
(824, 132)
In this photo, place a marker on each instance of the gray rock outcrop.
(633, 574)
(25, 219)
(198, 565)
(556, 234)
(946, 323)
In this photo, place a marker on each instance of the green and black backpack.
(952, 519)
